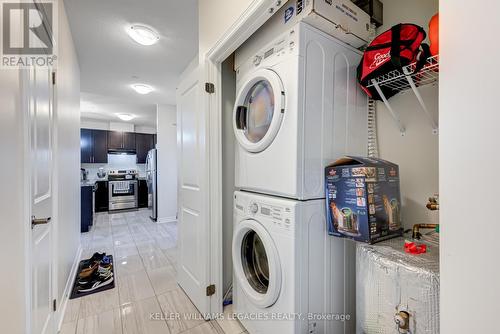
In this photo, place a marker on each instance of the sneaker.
(96, 257)
(97, 282)
(101, 272)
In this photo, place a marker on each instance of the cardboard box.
(363, 199)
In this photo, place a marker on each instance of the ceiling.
(110, 61)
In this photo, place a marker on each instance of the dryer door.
(258, 110)
(256, 263)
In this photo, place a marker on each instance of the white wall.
(88, 123)
(121, 126)
(228, 158)
(13, 291)
(469, 158)
(167, 162)
(67, 153)
(216, 17)
(12, 204)
(417, 152)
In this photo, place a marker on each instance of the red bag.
(391, 50)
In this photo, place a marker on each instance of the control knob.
(254, 208)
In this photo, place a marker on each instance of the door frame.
(25, 95)
(251, 19)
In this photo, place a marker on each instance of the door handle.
(39, 221)
(240, 114)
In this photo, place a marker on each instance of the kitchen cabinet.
(100, 146)
(143, 194)
(143, 143)
(86, 210)
(129, 141)
(93, 146)
(86, 146)
(118, 140)
(101, 196)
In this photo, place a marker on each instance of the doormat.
(74, 291)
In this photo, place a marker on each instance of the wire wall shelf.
(400, 81)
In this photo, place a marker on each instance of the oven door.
(122, 194)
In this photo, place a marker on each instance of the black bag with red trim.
(393, 49)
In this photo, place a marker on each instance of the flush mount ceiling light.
(142, 88)
(125, 117)
(143, 34)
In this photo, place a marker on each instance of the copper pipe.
(416, 229)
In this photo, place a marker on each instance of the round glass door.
(256, 263)
(259, 110)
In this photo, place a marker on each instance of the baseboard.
(67, 288)
(163, 220)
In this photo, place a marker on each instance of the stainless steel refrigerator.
(151, 177)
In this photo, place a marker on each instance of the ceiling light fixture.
(125, 117)
(143, 34)
(142, 88)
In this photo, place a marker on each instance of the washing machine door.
(258, 111)
(256, 263)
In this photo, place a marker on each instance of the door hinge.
(209, 87)
(54, 305)
(211, 290)
(53, 78)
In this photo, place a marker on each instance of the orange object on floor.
(434, 34)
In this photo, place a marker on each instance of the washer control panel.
(272, 215)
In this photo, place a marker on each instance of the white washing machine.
(298, 107)
(288, 273)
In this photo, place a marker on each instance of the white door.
(193, 219)
(258, 111)
(40, 107)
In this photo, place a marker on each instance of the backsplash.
(115, 161)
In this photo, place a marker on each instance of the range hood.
(122, 151)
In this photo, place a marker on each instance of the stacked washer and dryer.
(298, 108)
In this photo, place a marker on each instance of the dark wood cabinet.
(101, 196)
(143, 194)
(143, 143)
(86, 211)
(129, 141)
(118, 140)
(93, 146)
(115, 140)
(100, 146)
(85, 146)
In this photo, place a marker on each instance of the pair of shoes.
(96, 257)
(98, 280)
(90, 265)
(100, 272)
(96, 273)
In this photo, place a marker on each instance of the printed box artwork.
(363, 199)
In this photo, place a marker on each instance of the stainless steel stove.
(122, 189)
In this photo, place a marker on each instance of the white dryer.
(289, 275)
(298, 107)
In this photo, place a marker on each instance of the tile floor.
(146, 291)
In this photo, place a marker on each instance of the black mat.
(76, 294)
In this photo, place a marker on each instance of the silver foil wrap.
(388, 281)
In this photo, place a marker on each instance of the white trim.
(251, 19)
(25, 105)
(164, 220)
(67, 289)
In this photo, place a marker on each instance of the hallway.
(146, 298)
